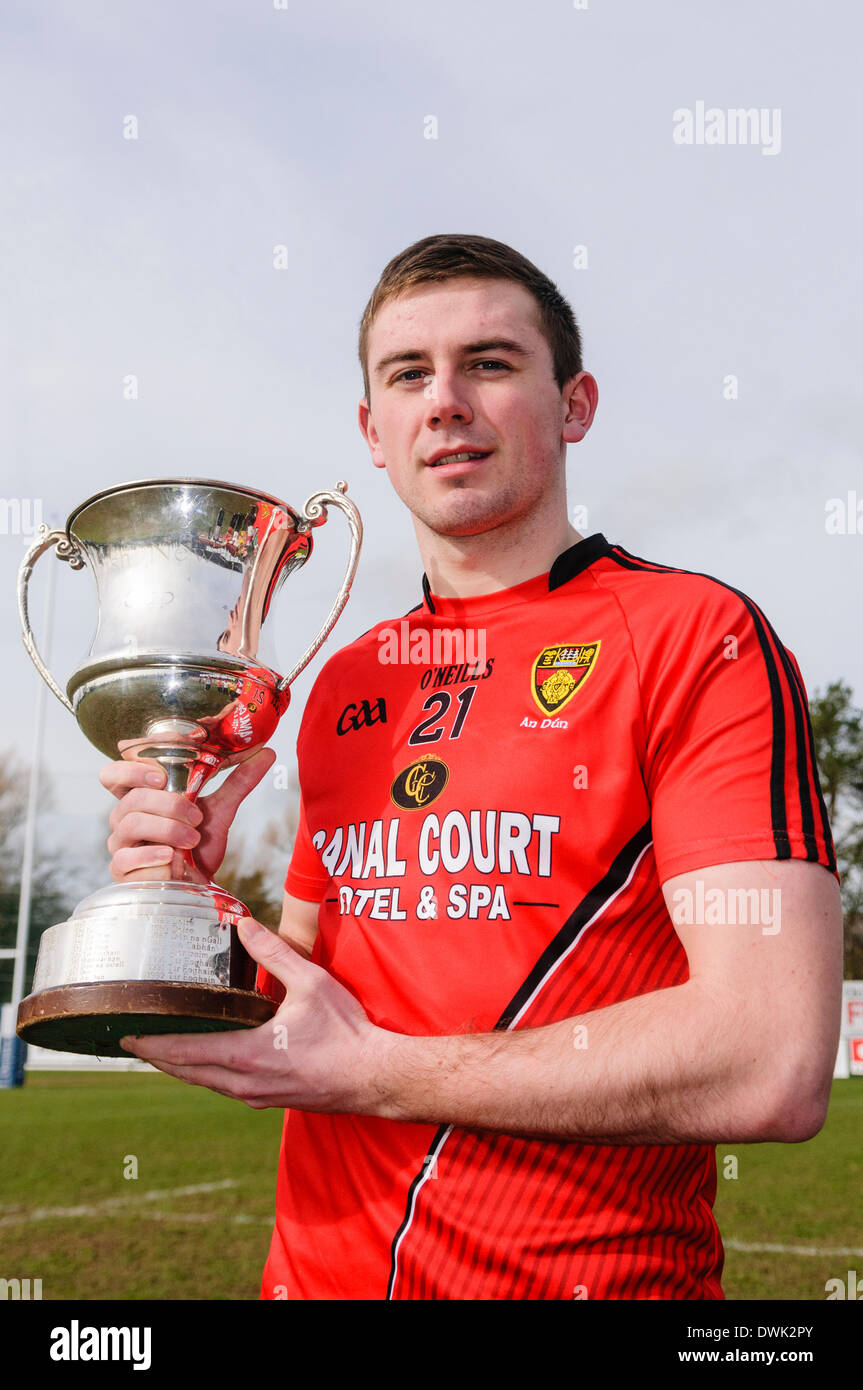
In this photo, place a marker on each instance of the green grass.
(796, 1194)
(66, 1138)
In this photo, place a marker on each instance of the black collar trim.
(568, 564)
(577, 559)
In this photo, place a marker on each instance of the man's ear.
(581, 397)
(370, 434)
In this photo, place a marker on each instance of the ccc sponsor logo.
(420, 783)
(353, 717)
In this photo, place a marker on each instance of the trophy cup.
(180, 673)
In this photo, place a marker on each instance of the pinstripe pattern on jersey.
(503, 1216)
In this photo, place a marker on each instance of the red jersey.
(494, 790)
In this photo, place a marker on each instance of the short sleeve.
(306, 877)
(730, 764)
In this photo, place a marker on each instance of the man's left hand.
(320, 1051)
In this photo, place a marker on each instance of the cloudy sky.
(718, 286)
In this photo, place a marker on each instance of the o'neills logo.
(559, 671)
(419, 784)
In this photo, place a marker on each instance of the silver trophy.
(180, 672)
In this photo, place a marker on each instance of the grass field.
(196, 1222)
(65, 1141)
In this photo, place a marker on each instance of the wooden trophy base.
(92, 1018)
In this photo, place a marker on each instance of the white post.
(10, 1012)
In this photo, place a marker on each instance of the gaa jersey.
(494, 790)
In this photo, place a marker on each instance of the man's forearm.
(673, 1066)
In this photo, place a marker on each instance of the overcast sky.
(306, 125)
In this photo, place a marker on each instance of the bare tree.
(50, 901)
(837, 724)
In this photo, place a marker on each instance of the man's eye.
(411, 371)
(411, 374)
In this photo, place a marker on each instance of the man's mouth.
(464, 457)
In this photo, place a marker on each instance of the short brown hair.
(447, 257)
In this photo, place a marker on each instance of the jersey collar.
(571, 562)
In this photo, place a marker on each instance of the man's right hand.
(151, 828)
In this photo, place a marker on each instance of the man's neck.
(462, 566)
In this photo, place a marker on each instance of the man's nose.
(448, 398)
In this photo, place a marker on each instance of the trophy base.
(92, 1018)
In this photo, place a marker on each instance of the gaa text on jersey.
(367, 712)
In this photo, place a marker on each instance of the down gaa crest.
(559, 671)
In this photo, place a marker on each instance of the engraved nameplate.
(149, 947)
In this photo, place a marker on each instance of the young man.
(571, 900)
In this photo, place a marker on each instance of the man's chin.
(466, 516)
(463, 527)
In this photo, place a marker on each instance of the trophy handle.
(314, 513)
(66, 550)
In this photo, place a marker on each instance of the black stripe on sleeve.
(810, 743)
(802, 725)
